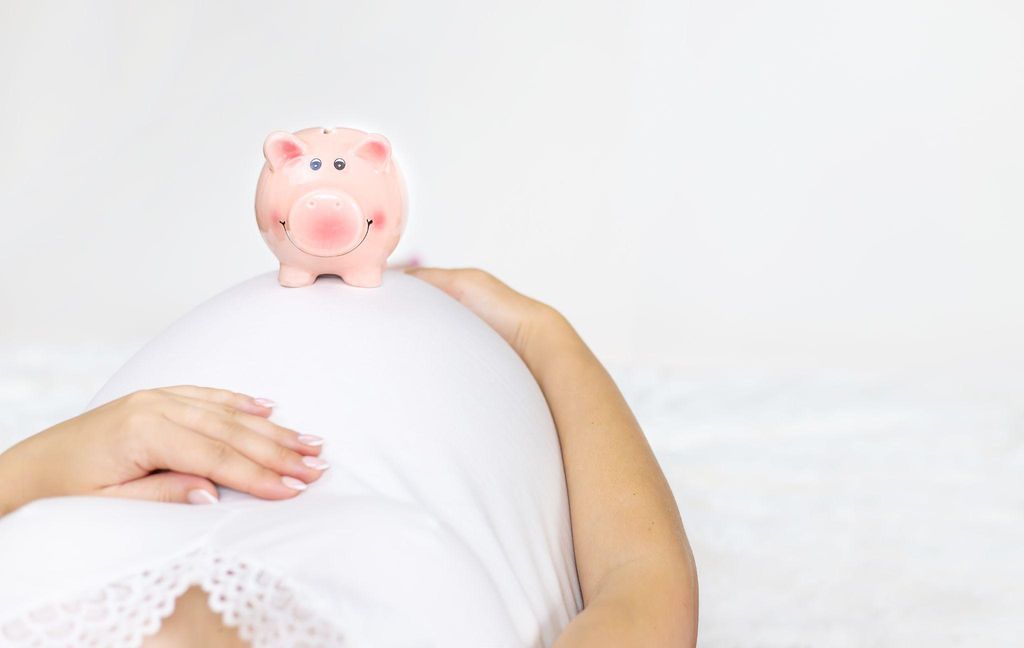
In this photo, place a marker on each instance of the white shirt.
(443, 520)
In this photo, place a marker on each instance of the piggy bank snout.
(326, 223)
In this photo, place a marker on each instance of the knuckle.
(283, 435)
(282, 455)
(194, 417)
(138, 421)
(222, 395)
(135, 420)
(220, 453)
(234, 432)
(140, 399)
(478, 275)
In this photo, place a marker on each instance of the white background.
(708, 182)
(806, 206)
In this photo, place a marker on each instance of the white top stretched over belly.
(444, 515)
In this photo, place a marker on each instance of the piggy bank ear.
(281, 146)
(376, 150)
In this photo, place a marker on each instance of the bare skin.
(636, 569)
(194, 624)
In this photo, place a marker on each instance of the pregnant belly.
(446, 473)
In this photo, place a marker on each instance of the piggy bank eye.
(314, 164)
(339, 164)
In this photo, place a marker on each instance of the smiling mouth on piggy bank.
(287, 233)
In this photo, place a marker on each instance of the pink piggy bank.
(330, 201)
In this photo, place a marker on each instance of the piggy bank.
(330, 201)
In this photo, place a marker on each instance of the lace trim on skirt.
(267, 609)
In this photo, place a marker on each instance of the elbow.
(683, 590)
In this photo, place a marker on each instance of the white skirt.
(443, 520)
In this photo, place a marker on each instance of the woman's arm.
(636, 569)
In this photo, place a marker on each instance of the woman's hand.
(525, 323)
(169, 445)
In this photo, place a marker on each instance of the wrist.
(549, 339)
(20, 484)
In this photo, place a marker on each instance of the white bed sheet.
(870, 509)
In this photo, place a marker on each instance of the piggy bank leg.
(364, 277)
(292, 277)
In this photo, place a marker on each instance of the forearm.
(31, 469)
(28, 471)
(635, 565)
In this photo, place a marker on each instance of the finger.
(175, 487)
(442, 278)
(466, 285)
(487, 297)
(242, 402)
(255, 446)
(177, 448)
(448, 281)
(305, 444)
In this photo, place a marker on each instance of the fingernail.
(316, 463)
(200, 496)
(310, 440)
(265, 402)
(293, 483)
